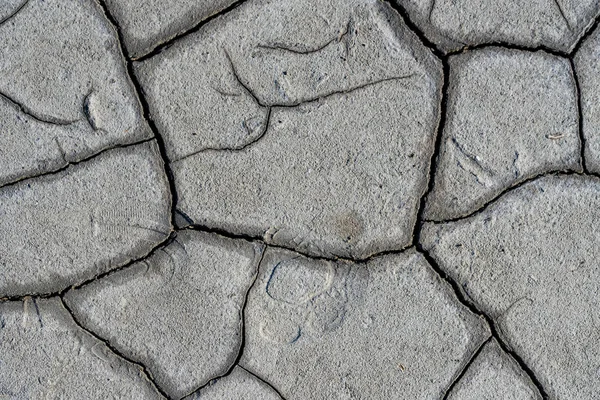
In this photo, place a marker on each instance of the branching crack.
(467, 302)
(270, 108)
(242, 324)
(141, 366)
(145, 109)
(263, 381)
(465, 369)
(40, 118)
(86, 282)
(15, 12)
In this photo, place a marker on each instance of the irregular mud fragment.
(529, 261)
(315, 135)
(511, 115)
(45, 355)
(452, 24)
(238, 385)
(178, 312)
(65, 228)
(386, 329)
(494, 375)
(64, 90)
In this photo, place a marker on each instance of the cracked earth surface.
(300, 199)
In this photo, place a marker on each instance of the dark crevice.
(579, 115)
(504, 192)
(443, 110)
(142, 367)
(86, 282)
(145, 110)
(395, 4)
(163, 46)
(242, 326)
(72, 163)
(263, 381)
(465, 369)
(40, 118)
(260, 239)
(15, 12)
(467, 302)
(510, 46)
(588, 32)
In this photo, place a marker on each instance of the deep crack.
(145, 110)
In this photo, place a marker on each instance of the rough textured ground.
(300, 199)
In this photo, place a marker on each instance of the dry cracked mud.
(300, 199)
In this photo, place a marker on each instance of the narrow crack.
(562, 14)
(431, 8)
(506, 191)
(465, 369)
(287, 48)
(346, 91)
(30, 113)
(579, 115)
(70, 164)
(233, 148)
(165, 45)
(145, 109)
(15, 12)
(242, 326)
(260, 239)
(590, 29)
(280, 106)
(86, 282)
(107, 343)
(263, 380)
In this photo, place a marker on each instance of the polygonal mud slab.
(530, 261)
(64, 90)
(341, 175)
(494, 375)
(145, 24)
(511, 115)
(238, 385)
(452, 24)
(178, 312)
(588, 73)
(389, 328)
(45, 355)
(63, 228)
